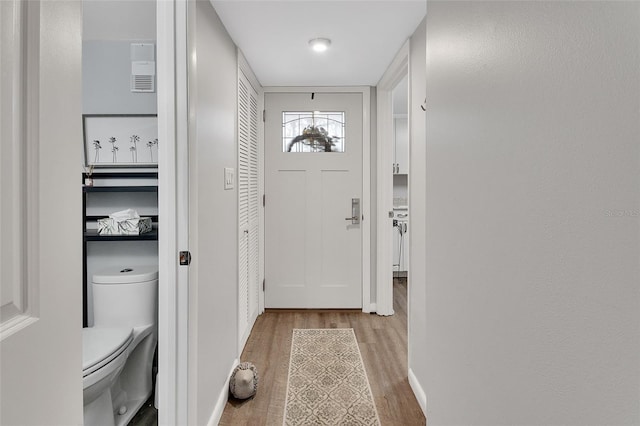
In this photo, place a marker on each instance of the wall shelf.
(113, 183)
(92, 235)
(120, 189)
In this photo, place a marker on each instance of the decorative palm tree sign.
(313, 131)
(137, 134)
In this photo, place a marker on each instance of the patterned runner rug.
(327, 383)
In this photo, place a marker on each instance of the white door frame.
(365, 91)
(384, 269)
(173, 193)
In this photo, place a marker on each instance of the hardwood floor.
(383, 344)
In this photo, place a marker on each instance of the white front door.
(313, 253)
(40, 213)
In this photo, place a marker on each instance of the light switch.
(229, 177)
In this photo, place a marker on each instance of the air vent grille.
(143, 67)
(142, 83)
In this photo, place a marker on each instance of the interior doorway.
(392, 179)
(400, 166)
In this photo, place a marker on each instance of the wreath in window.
(317, 138)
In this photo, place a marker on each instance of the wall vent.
(143, 67)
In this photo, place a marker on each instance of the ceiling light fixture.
(319, 44)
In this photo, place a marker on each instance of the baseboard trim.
(222, 399)
(418, 391)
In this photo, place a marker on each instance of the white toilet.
(117, 352)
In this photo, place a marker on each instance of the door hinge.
(263, 284)
(264, 115)
(185, 258)
(264, 200)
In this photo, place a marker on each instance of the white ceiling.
(365, 35)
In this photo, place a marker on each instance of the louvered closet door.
(248, 207)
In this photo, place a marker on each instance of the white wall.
(213, 307)
(108, 29)
(401, 97)
(119, 19)
(417, 208)
(533, 201)
(106, 79)
(400, 190)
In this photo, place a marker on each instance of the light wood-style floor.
(383, 344)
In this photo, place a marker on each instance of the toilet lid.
(101, 345)
(126, 275)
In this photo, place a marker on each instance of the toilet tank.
(125, 297)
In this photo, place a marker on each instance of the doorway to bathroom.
(121, 159)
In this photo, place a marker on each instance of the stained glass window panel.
(313, 131)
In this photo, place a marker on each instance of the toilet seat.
(101, 345)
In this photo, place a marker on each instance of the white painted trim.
(223, 397)
(241, 339)
(32, 134)
(366, 172)
(23, 241)
(16, 324)
(384, 267)
(418, 391)
(182, 210)
(243, 65)
(384, 270)
(261, 206)
(366, 200)
(172, 305)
